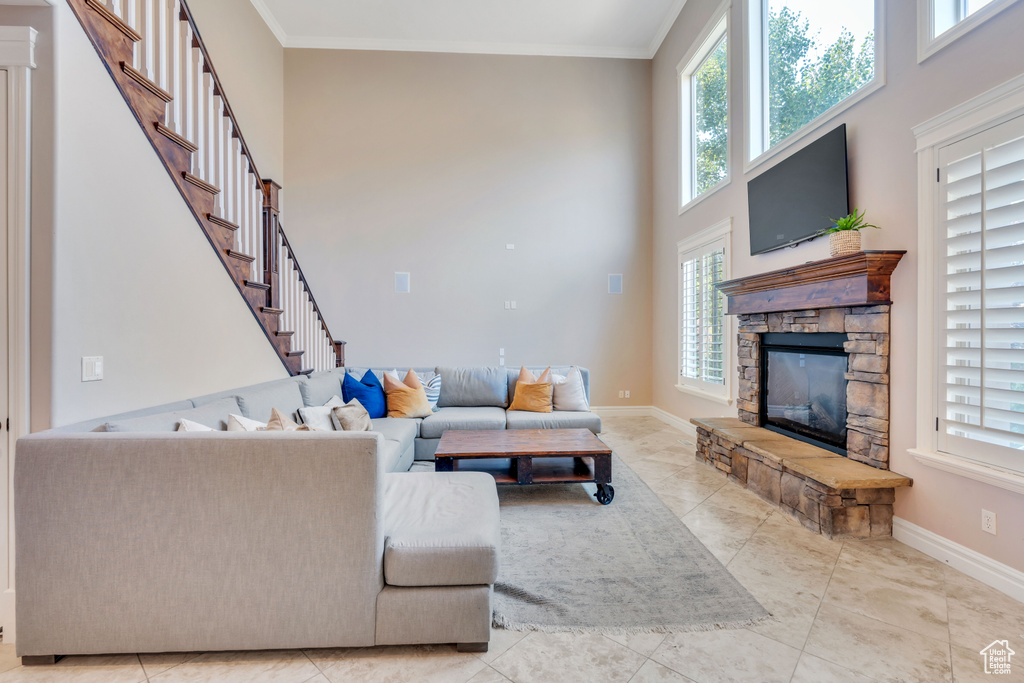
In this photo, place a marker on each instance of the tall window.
(704, 339)
(704, 111)
(940, 22)
(807, 58)
(980, 312)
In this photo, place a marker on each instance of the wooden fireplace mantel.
(860, 279)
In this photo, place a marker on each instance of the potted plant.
(844, 236)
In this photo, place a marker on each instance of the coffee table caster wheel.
(605, 493)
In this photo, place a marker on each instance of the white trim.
(466, 47)
(716, 30)
(18, 59)
(722, 228)
(927, 45)
(751, 93)
(989, 109)
(666, 25)
(271, 21)
(707, 395)
(992, 573)
(674, 421)
(1011, 481)
(621, 411)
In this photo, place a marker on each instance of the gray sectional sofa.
(131, 537)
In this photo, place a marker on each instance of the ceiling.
(630, 29)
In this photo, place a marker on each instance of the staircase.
(156, 57)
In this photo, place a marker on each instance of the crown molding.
(666, 25)
(526, 49)
(271, 21)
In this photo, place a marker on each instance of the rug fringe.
(502, 622)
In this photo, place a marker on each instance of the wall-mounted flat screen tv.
(796, 198)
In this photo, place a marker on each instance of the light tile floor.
(843, 611)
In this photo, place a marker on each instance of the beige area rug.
(570, 564)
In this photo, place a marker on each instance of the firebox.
(803, 387)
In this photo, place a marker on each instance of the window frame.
(755, 76)
(714, 32)
(998, 105)
(719, 234)
(928, 45)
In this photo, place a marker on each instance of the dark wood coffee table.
(530, 456)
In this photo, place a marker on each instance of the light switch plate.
(615, 283)
(402, 283)
(92, 368)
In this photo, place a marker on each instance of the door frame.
(17, 57)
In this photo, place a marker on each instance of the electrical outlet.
(501, 351)
(622, 394)
(508, 305)
(627, 393)
(988, 522)
(513, 305)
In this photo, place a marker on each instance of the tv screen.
(797, 197)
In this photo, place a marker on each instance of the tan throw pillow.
(533, 394)
(407, 398)
(351, 417)
(279, 422)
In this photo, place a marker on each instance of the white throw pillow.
(568, 393)
(319, 417)
(237, 423)
(190, 426)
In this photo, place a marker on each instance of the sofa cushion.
(397, 428)
(466, 387)
(560, 419)
(213, 415)
(461, 418)
(441, 529)
(368, 391)
(391, 452)
(318, 387)
(257, 402)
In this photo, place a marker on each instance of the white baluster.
(131, 18)
(173, 56)
(187, 126)
(217, 158)
(160, 42)
(199, 105)
(257, 225)
(209, 171)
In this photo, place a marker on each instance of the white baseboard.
(7, 615)
(1002, 577)
(622, 411)
(648, 411)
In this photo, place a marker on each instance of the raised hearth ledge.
(827, 493)
(860, 279)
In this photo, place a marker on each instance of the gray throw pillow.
(351, 417)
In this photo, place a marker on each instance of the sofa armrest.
(208, 541)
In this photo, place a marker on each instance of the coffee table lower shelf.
(527, 470)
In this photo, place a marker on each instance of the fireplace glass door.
(805, 394)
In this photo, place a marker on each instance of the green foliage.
(852, 221)
(801, 85)
(803, 82)
(711, 116)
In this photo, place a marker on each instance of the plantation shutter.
(701, 324)
(980, 271)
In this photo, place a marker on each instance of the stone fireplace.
(813, 400)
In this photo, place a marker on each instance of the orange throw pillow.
(407, 398)
(532, 394)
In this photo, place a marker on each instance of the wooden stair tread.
(200, 183)
(240, 256)
(113, 19)
(217, 220)
(179, 140)
(294, 354)
(272, 311)
(284, 333)
(143, 80)
(255, 285)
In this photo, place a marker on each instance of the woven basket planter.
(843, 242)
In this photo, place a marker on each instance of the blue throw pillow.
(368, 392)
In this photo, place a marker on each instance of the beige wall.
(136, 281)
(883, 180)
(431, 163)
(250, 64)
